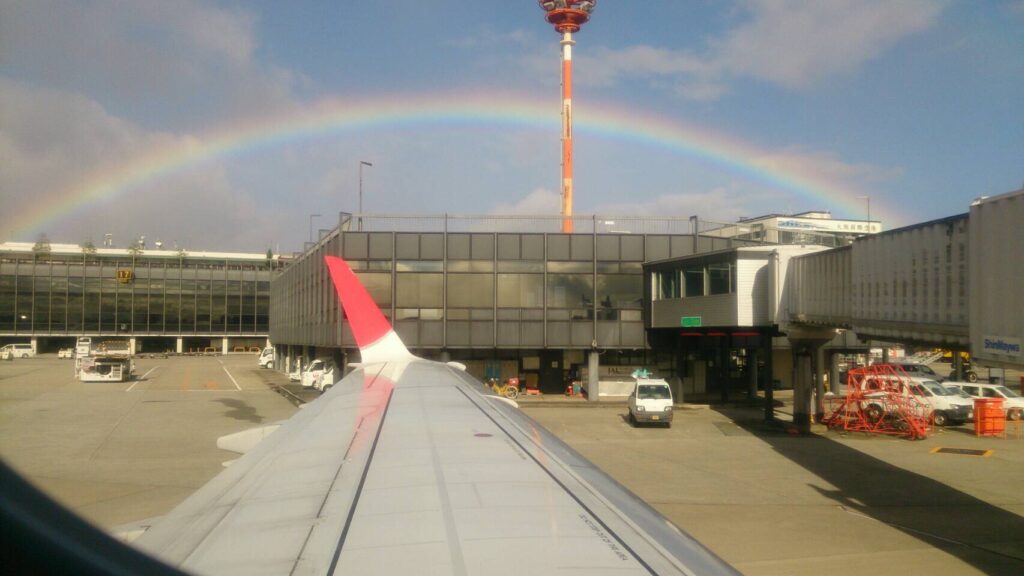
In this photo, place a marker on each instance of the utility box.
(996, 278)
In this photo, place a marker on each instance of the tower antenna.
(567, 16)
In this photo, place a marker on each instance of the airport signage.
(1001, 345)
(690, 321)
(125, 276)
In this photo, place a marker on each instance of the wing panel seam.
(562, 485)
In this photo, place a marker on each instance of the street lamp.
(311, 216)
(361, 164)
(868, 198)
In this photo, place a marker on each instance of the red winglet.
(368, 323)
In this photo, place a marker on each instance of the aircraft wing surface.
(408, 466)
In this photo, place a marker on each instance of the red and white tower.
(567, 16)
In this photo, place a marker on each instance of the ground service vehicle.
(267, 358)
(651, 401)
(20, 350)
(319, 375)
(66, 353)
(110, 361)
(1013, 403)
(84, 346)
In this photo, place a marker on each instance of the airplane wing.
(408, 466)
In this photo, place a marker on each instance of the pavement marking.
(230, 376)
(141, 379)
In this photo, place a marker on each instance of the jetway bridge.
(954, 283)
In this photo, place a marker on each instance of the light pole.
(311, 216)
(361, 164)
(868, 198)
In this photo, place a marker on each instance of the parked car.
(1013, 403)
(651, 401)
(267, 358)
(66, 353)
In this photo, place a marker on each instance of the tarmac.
(765, 500)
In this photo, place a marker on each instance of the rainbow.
(338, 117)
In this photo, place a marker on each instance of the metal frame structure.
(879, 401)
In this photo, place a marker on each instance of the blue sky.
(913, 103)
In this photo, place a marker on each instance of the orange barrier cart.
(989, 419)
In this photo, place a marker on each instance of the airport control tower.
(567, 16)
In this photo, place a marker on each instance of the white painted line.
(232, 377)
(141, 379)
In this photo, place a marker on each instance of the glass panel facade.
(570, 290)
(82, 294)
(693, 280)
(520, 290)
(721, 278)
(667, 284)
(472, 289)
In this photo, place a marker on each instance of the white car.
(947, 406)
(651, 401)
(319, 375)
(1013, 403)
(66, 353)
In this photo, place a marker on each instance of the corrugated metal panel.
(997, 278)
(752, 289)
(914, 280)
(818, 288)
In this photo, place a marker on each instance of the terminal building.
(161, 300)
(512, 296)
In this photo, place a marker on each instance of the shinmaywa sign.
(1001, 345)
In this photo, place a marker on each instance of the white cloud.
(796, 42)
(538, 202)
(719, 204)
(824, 167)
(145, 58)
(51, 142)
(792, 43)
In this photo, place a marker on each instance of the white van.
(651, 401)
(319, 375)
(267, 358)
(1013, 403)
(20, 350)
(947, 406)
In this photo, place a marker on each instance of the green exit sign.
(690, 321)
